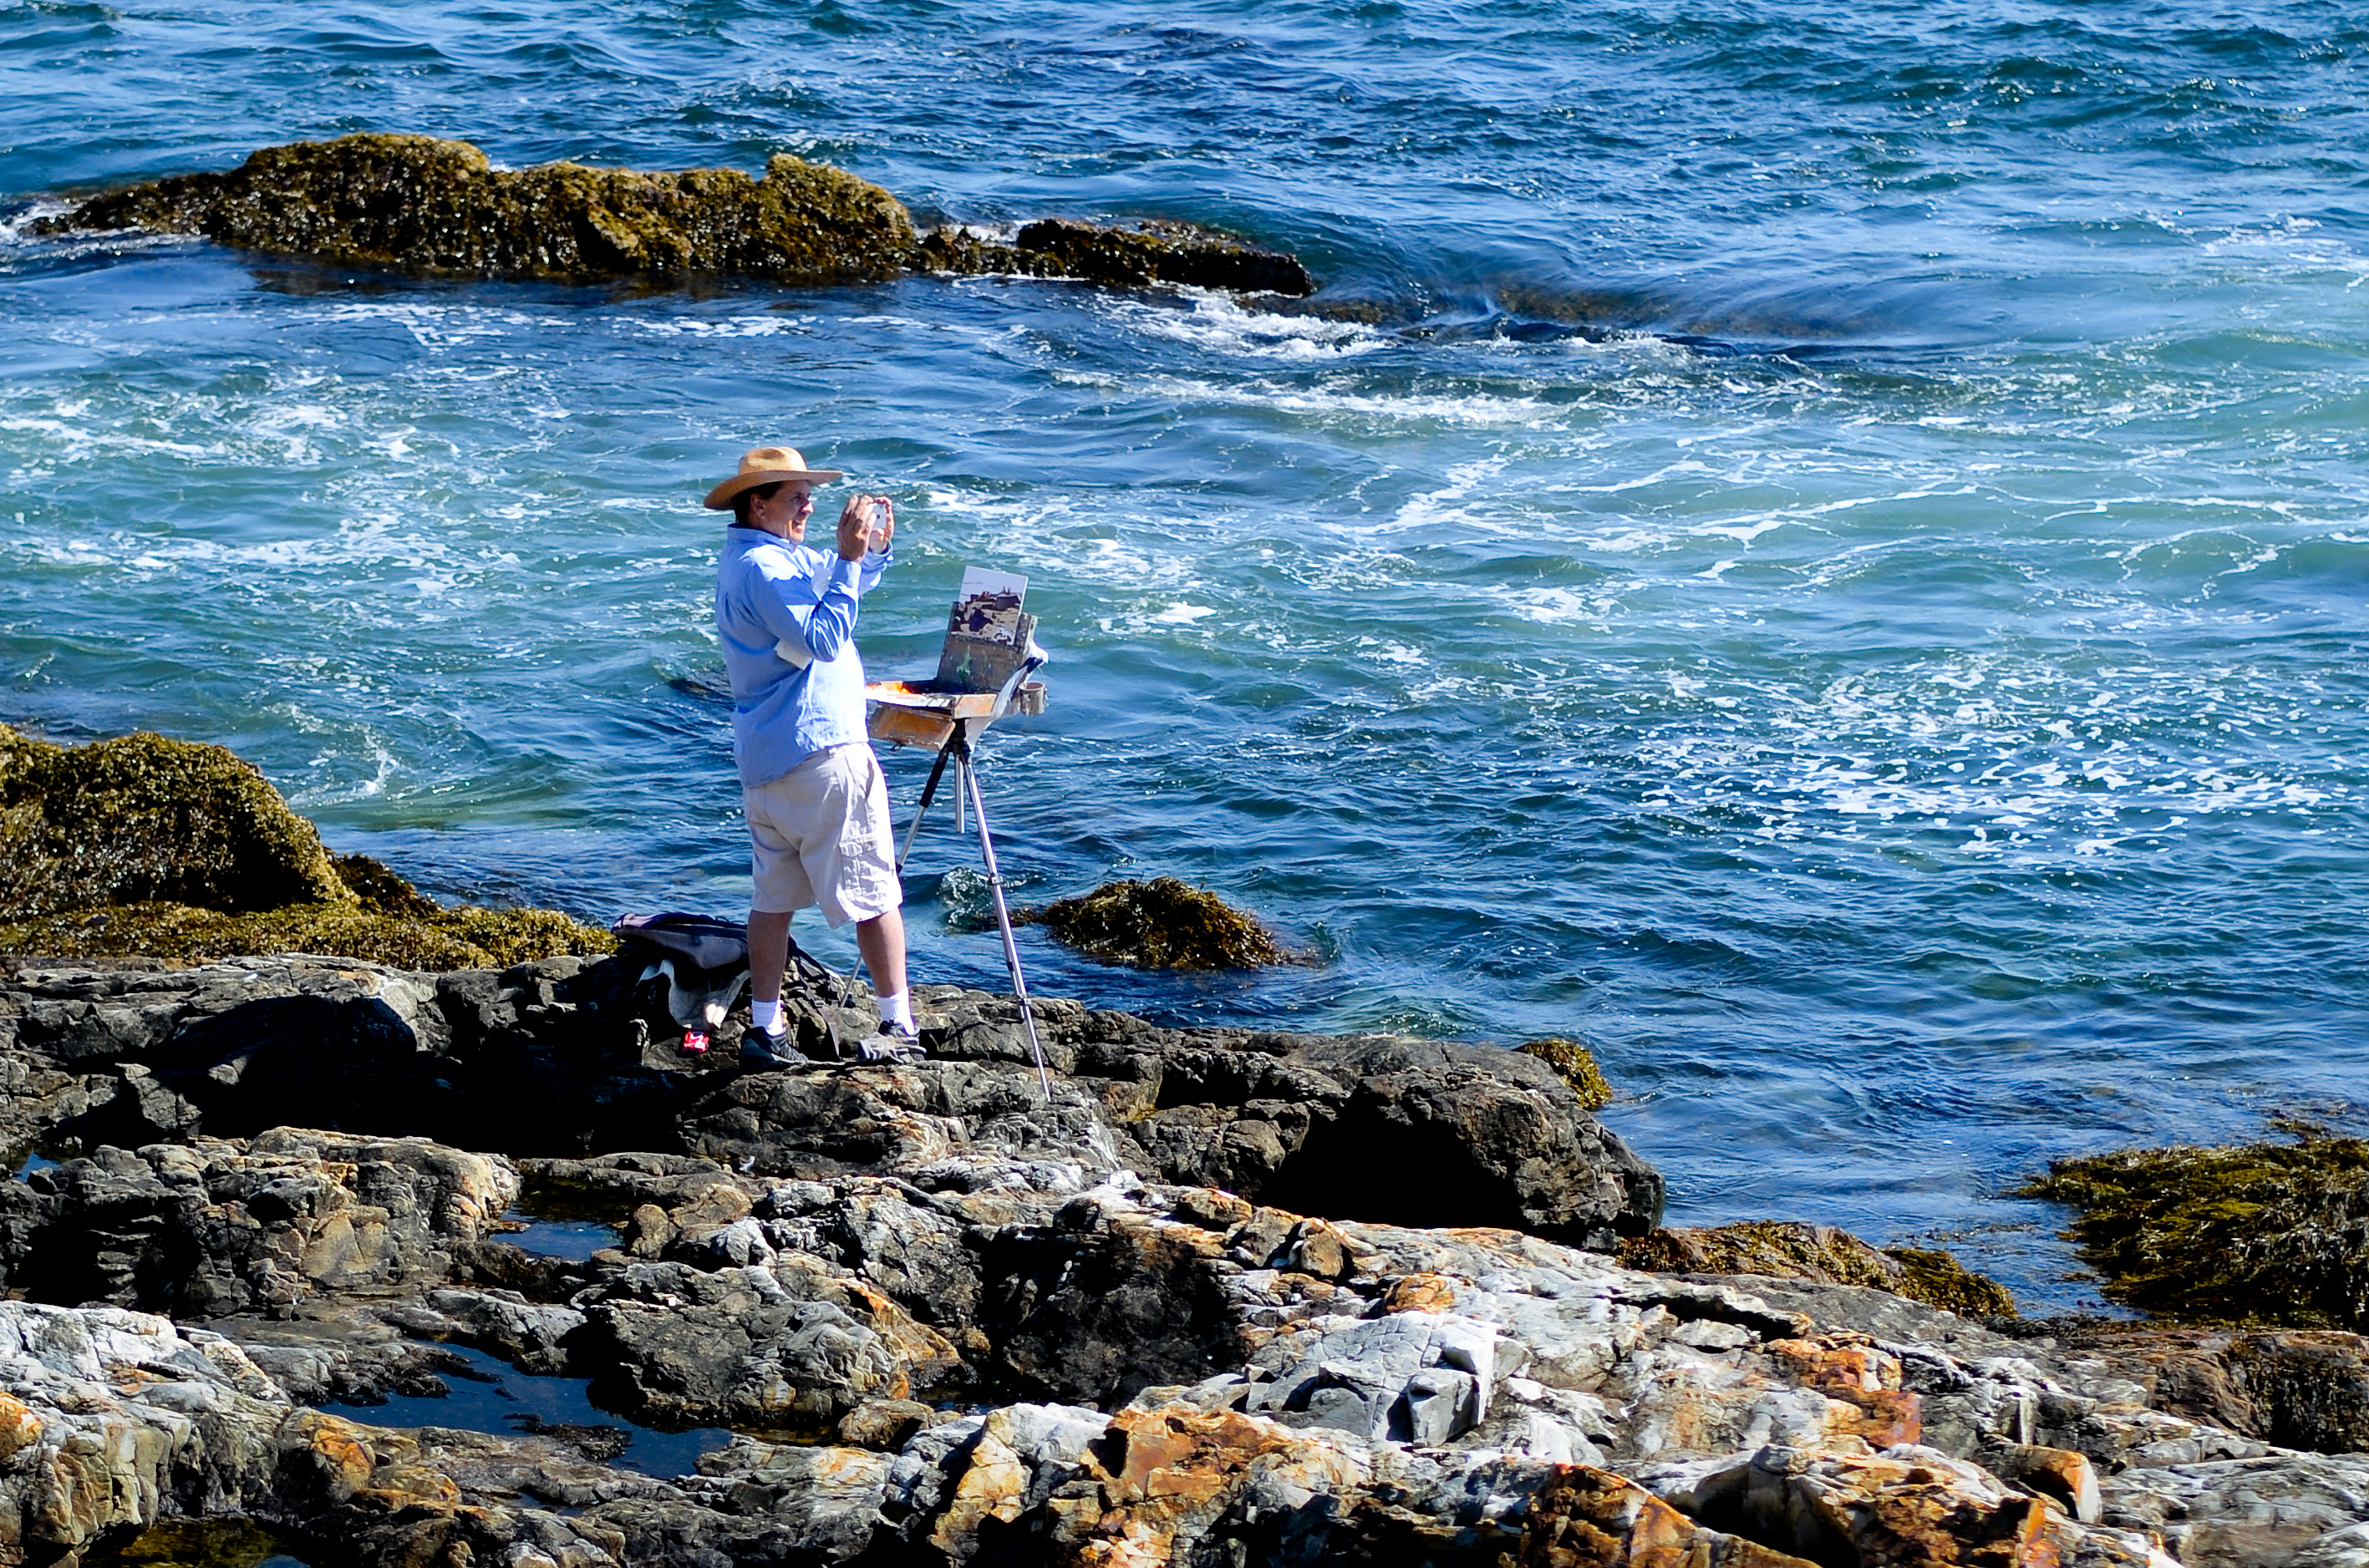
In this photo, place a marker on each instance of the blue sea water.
(1834, 573)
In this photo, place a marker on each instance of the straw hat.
(767, 465)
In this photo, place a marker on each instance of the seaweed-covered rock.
(446, 939)
(142, 817)
(2255, 1232)
(1575, 1066)
(422, 204)
(1165, 922)
(1785, 1249)
(1152, 251)
(1933, 1277)
(158, 848)
(417, 203)
(381, 891)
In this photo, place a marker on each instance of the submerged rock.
(420, 204)
(1785, 1249)
(2255, 1232)
(1165, 922)
(172, 850)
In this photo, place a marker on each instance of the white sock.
(765, 1014)
(898, 1010)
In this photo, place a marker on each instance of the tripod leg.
(1003, 922)
(929, 794)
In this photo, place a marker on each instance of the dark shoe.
(771, 1049)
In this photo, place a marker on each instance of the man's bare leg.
(881, 941)
(769, 954)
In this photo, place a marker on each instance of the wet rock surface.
(1147, 1322)
(420, 204)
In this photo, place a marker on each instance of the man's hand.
(867, 523)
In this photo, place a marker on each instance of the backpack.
(706, 962)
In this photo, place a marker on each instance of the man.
(817, 805)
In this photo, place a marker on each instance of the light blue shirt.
(770, 592)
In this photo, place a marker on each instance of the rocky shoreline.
(1228, 1297)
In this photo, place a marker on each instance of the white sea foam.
(724, 327)
(1220, 323)
(1556, 606)
(1329, 401)
(17, 239)
(2036, 766)
(435, 327)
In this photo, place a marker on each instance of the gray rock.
(1409, 1377)
(219, 1227)
(2243, 1511)
(130, 1053)
(792, 1347)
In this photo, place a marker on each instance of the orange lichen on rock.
(1586, 1518)
(1420, 1293)
(19, 1428)
(1176, 1465)
(1849, 1368)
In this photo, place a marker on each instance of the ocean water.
(1831, 569)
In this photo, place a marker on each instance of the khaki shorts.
(819, 834)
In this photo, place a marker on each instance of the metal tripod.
(957, 751)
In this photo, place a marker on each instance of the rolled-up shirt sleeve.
(876, 563)
(816, 608)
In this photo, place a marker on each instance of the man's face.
(787, 510)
